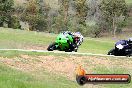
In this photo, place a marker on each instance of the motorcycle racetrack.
(25, 62)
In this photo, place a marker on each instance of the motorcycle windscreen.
(122, 42)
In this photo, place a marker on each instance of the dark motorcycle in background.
(121, 49)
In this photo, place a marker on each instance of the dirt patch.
(63, 65)
(57, 65)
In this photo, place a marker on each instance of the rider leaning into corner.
(74, 35)
(79, 35)
(130, 42)
(125, 42)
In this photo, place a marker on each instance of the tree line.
(90, 17)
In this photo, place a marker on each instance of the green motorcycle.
(62, 44)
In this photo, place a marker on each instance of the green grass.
(12, 38)
(11, 54)
(95, 46)
(10, 78)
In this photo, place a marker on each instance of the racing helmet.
(130, 41)
(77, 34)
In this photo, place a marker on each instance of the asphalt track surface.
(62, 52)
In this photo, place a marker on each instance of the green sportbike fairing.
(61, 43)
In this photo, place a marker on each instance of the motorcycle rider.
(69, 34)
(73, 45)
(79, 35)
(123, 45)
(125, 42)
(130, 42)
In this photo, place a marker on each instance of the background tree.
(113, 12)
(6, 10)
(63, 14)
(93, 18)
(36, 14)
(90, 17)
(81, 11)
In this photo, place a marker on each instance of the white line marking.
(61, 52)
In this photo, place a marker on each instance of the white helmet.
(78, 34)
(130, 40)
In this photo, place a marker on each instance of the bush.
(6, 9)
(90, 31)
(41, 23)
(15, 23)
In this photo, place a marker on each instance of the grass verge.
(12, 38)
(11, 78)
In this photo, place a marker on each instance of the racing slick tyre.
(51, 47)
(111, 52)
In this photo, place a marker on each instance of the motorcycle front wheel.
(51, 47)
(111, 52)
